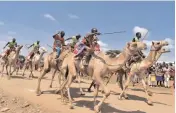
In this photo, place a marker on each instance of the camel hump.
(12, 54)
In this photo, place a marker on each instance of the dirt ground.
(18, 96)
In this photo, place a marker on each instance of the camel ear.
(128, 44)
(152, 43)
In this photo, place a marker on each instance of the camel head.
(157, 45)
(42, 50)
(133, 47)
(164, 50)
(19, 47)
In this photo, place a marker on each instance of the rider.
(35, 49)
(136, 57)
(11, 46)
(137, 37)
(75, 39)
(89, 41)
(59, 42)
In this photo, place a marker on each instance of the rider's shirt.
(58, 41)
(35, 46)
(88, 39)
(11, 44)
(135, 39)
(74, 41)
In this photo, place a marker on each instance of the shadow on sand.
(106, 108)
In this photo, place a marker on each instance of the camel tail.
(120, 80)
(66, 73)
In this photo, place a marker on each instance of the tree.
(113, 53)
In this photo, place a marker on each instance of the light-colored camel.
(12, 60)
(34, 62)
(3, 61)
(51, 63)
(122, 73)
(140, 68)
(99, 65)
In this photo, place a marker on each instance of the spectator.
(159, 76)
(166, 77)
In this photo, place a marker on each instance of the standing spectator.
(166, 77)
(153, 79)
(159, 76)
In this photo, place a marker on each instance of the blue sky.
(31, 21)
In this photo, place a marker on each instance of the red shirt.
(58, 41)
(97, 47)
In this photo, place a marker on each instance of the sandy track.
(24, 89)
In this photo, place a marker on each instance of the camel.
(3, 61)
(34, 62)
(122, 72)
(51, 63)
(12, 60)
(140, 68)
(99, 65)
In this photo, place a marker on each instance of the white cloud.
(10, 37)
(72, 16)
(1, 23)
(11, 33)
(103, 46)
(49, 17)
(144, 32)
(2, 44)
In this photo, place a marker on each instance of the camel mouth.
(145, 48)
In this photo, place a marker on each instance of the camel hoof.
(89, 90)
(73, 100)
(38, 93)
(125, 96)
(71, 107)
(120, 97)
(50, 86)
(97, 109)
(81, 93)
(150, 93)
(150, 103)
(8, 78)
(57, 91)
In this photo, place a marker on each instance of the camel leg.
(17, 71)
(25, 67)
(109, 79)
(105, 95)
(59, 78)
(7, 70)
(10, 67)
(80, 88)
(126, 86)
(38, 91)
(31, 71)
(14, 69)
(96, 94)
(71, 71)
(54, 73)
(2, 70)
(70, 80)
(92, 84)
(149, 102)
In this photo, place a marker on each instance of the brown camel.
(99, 65)
(140, 68)
(12, 60)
